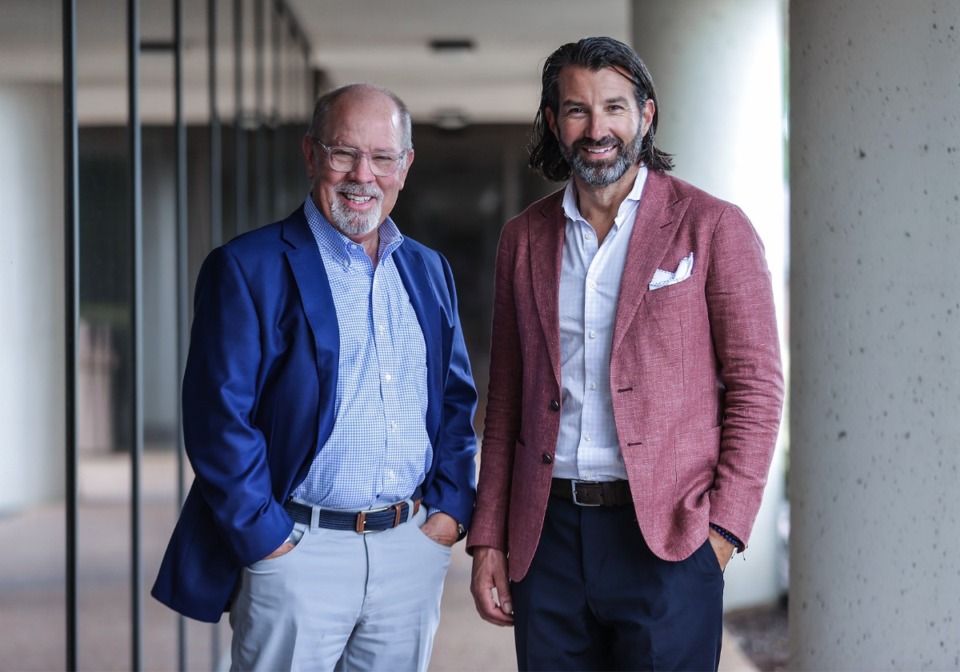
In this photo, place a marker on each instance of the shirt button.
(588, 236)
(388, 377)
(588, 437)
(593, 386)
(393, 426)
(546, 458)
(592, 284)
(554, 405)
(592, 334)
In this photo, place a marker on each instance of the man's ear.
(551, 122)
(649, 108)
(406, 166)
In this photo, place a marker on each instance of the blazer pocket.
(682, 288)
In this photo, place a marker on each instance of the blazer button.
(547, 458)
(554, 405)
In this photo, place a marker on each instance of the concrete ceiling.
(383, 41)
(387, 42)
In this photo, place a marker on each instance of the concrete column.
(875, 328)
(718, 70)
(31, 294)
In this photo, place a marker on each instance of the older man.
(635, 390)
(328, 407)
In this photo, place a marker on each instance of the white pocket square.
(665, 278)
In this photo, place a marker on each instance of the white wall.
(718, 70)
(32, 318)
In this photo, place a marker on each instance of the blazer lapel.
(413, 273)
(546, 233)
(658, 219)
(317, 300)
(311, 279)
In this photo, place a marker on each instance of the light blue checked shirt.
(379, 451)
(588, 447)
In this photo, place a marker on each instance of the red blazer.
(695, 375)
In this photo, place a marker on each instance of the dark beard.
(603, 173)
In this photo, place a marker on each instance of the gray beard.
(602, 173)
(354, 223)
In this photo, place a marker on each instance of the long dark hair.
(592, 53)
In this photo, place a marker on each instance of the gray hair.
(325, 104)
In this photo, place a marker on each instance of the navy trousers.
(597, 598)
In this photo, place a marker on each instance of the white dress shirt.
(588, 447)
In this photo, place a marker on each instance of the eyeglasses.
(346, 159)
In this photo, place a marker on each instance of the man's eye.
(344, 154)
(384, 159)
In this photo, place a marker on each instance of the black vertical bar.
(275, 136)
(136, 327)
(259, 88)
(216, 169)
(216, 195)
(290, 96)
(71, 234)
(240, 139)
(180, 131)
(307, 103)
(295, 89)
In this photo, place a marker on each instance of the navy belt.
(361, 522)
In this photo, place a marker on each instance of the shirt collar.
(572, 212)
(340, 246)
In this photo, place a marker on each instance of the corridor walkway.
(32, 587)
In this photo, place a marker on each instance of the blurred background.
(103, 233)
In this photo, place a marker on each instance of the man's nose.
(596, 127)
(361, 171)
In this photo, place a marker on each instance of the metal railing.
(266, 130)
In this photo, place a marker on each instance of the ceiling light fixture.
(451, 45)
(450, 119)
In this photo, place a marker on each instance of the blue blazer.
(258, 402)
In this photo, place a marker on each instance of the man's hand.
(723, 548)
(285, 548)
(489, 575)
(442, 528)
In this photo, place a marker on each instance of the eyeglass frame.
(400, 158)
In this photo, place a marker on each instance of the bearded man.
(635, 390)
(328, 416)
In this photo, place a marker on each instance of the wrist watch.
(461, 531)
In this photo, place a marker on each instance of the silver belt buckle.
(573, 488)
(361, 525)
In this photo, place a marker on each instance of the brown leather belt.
(592, 493)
